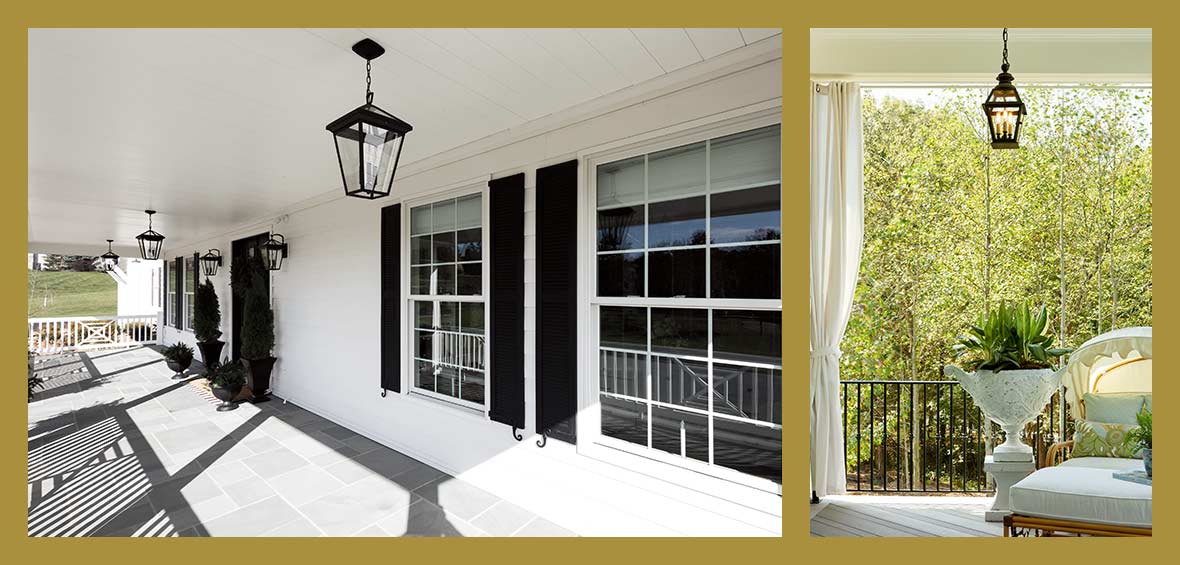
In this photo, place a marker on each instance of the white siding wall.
(326, 302)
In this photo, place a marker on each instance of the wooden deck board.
(903, 516)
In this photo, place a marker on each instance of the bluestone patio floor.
(119, 448)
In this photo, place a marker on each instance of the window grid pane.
(702, 383)
(447, 336)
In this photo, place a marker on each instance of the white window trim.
(189, 298)
(689, 473)
(407, 361)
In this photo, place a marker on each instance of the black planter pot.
(178, 368)
(210, 353)
(226, 396)
(259, 377)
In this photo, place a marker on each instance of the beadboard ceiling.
(215, 127)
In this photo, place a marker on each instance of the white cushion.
(1084, 494)
(1113, 463)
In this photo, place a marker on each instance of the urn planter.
(226, 396)
(178, 368)
(258, 373)
(1010, 399)
(210, 353)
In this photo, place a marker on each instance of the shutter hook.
(383, 392)
(516, 435)
(544, 439)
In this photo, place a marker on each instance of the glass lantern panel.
(348, 149)
(378, 151)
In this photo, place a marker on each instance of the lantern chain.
(369, 81)
(1004, 66)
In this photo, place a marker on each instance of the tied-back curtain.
(837, 227)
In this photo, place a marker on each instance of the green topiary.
(206, 313)
(258, 322)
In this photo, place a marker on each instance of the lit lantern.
(109, 259)
(1004, 109)
(368, 139)
(210, 261)
(274, 251)
(150, 241)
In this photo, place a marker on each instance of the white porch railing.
(57, 335)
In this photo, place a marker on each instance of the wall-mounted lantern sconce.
(210, 262)
(275, 250)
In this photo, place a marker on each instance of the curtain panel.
(837, 227)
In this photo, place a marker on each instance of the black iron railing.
(925, 436)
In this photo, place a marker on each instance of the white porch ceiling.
(1050, 55)
(215, 127)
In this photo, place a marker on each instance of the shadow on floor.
(92, 471)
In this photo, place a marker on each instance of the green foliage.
(206, 313)
(1141, 435)
(258, 323)
(1009, 337)
(927, 268)
(179, 352)
(35, 381)
(227, 375)
(68, 293)
(242, 274)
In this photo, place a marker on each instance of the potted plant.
(1013, 373)
(178, 356)
(1141, 436)
(207, 324)
(258, 338)
(226, 381)
(35, 381)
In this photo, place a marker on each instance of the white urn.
(1010, 399)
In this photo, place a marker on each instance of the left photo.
(327, 282)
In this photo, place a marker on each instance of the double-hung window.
(687, 302)
(447, 306)
(190, 286)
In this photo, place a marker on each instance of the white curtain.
(837, 227)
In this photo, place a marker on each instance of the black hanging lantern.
(1004, 109)
(109, 259)
(368, 139)
(210, 262)
(150, 241)
(274, 251)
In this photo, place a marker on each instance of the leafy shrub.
(227, 375)
(1009, 338)
(258, 322)
(1141, 435)
(179, 353)
(206, 313)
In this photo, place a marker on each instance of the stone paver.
(118, 448)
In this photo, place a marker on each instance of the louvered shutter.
(506, 231)
(391, 293)
(556, 313)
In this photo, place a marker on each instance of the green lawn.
(67, 293)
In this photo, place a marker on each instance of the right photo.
(981, 282)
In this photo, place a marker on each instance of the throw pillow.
(1119, 408)
(1103, 439)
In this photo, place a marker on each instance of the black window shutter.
(179, 323)
(557, 287)
(506, 223)
(391, 295)
(196, 283)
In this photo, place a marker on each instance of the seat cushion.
(1112, 463)
(1084, 494)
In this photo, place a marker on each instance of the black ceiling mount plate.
(368, 49)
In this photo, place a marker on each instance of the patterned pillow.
(1102, 439)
